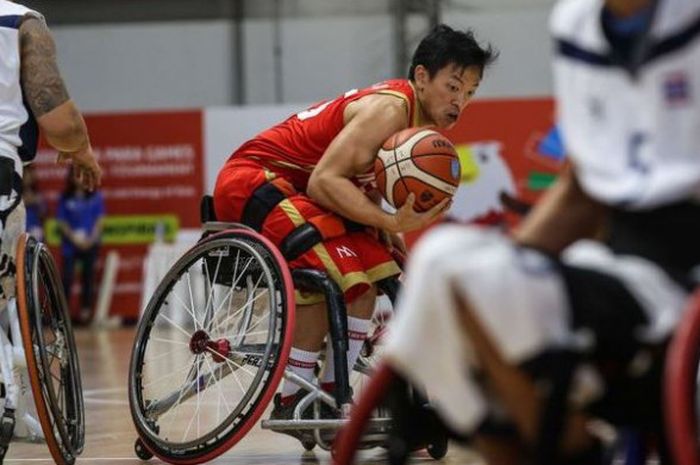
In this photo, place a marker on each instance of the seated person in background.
(482, 314)
(34, 203)
(316, 168)
(80, 217)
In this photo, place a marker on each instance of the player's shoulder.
(568, 16)
(382, 103)
(16, 9)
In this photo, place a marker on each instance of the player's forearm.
(341, 196)
(564, 215)
(64, 128)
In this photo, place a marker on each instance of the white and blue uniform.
(18, 138)
(18, 134)
(633, 137)
(631, 123)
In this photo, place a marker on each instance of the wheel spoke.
(175, 325)
(247, 303)
(212, 283)
(164, 354)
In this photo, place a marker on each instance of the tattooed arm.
(57, 115)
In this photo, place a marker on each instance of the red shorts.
(354, 260)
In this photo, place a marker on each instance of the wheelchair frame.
(24, 362)
(681, 399)
(341, 399)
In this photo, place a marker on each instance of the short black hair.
(443, 45)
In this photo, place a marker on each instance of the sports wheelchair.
(681, 401)
(38, 356)
(213, 343)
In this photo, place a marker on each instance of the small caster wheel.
(141, 451)
(438, 448)
(308, 444)
(398, 451)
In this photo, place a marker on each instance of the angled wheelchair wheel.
(211, 347)
(49, 347)
(348, 441)
(682, 387)
(414, 424)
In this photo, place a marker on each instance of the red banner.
(153, 181)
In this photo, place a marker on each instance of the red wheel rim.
(681, 384)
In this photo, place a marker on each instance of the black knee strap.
(307, 235)
(602, 304)
(260, 204)
(9, 180)
(266, 197)
(300, 240)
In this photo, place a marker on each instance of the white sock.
(357, 333)
(301, 363)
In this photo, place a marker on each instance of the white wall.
(147, 65)
(322, 57)
(226, 128)
(190, 64)
(522, 36)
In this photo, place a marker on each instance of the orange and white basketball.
(417, 160)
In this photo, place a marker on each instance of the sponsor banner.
(152, 185)
(126, 230)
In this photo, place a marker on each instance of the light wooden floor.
(104, 359)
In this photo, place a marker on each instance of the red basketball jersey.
(294, 147)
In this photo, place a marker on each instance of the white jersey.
(18, 133)
(634, 140)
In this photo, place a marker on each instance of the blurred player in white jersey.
(596, 277)
(33, 97)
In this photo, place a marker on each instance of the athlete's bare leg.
(363, 306)
(311, 327)
(312, 320)
(518, 394)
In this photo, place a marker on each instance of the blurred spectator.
(34, 203)
(80, 217)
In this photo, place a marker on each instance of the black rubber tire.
(141, 451)
(47, 337)
(308, 444)
(268, 366)
(438, 449)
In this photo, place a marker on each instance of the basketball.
(417, 160)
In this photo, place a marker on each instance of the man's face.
(447, 93)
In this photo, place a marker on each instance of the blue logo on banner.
(552, 145)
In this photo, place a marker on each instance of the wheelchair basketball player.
(311, 176)
(588, 290)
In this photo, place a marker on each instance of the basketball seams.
(431, 175)
(401, 178)
(412, 150)
(441, 154)
(429, 181)
(419, 136)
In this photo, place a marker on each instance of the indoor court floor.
(110, 434)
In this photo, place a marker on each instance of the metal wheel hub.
(200, 343)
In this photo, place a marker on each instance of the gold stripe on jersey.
(345, 281)
(282, 164)
(405, 98)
